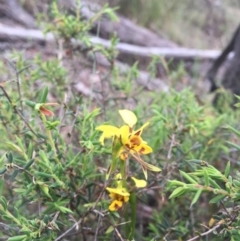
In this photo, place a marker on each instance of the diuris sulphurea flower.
(119, 196)
(127, 141)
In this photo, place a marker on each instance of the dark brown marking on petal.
(138, 133)
(135, 140)
(120, 139)
(128, 146)
(142, 150)
(116, 206)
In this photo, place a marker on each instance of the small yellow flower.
(115, 205)
(131, 142)
(119, 196)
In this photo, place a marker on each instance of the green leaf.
(175, 183)
(186, 176)
(178, 192)
(18, 238)
(4, 202)
(196, 197)
(236, 183)
(206, 177)
(234, 145)
(30, 103)
(28, 164)
(44, 95)
(227, 170)
(16, 212)
(94, 113)
(110, 229)
(233, 130)
(1, 186)
(14, 147)
(44, 187)
(214, 184)
(217, 198)
(133, 203)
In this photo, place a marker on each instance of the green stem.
(50, 139)
(133, 203)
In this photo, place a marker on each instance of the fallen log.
(13, 10)
(7, 33)
(14, 34)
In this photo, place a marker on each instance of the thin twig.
(97, 229)
(224, 208)
(17, 111)
(118, 234)
(206, 233)
(173, 143)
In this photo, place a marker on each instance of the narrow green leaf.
(93, 114)
(177, 192)
(28, 164)
(44, 95)
(109, 170)
(109, 230)
(20, 144)
(30, 150)
(227, 170)
(18, 238)
(14, 147)
(217, 198)
(230, 180)
(206, 177)
(187, 177)
(175, 183)
(214, 184)
(133, 203)
(234, 145)
(30, 103)
(43, 174)
(196, 197)
(44, 187)
(233, 130)
(2, 171)
(1, 185)
(236, 183)
(4, 202)
(16, 212)
(9, 157)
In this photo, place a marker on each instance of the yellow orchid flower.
(130, 141)
(119, 196)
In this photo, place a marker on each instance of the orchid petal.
(120, 191)
(128, 117)
(108, 132)
(115, 205)
(139, 183)
(108, 129)
(139, 131)
(124, 134)
(143, 149)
